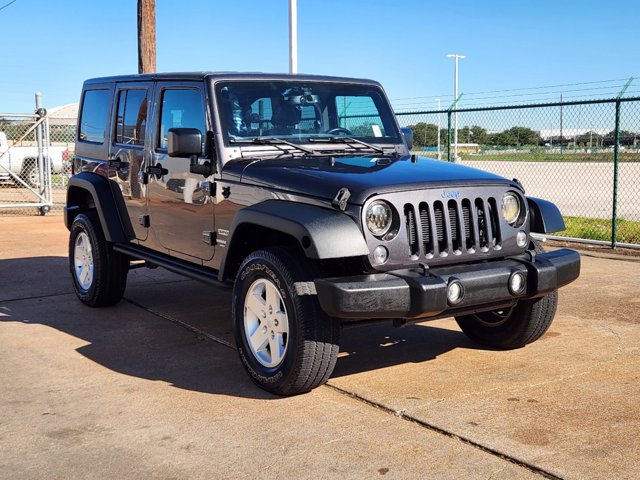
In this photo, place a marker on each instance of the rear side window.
(132, 117)
(93, 118)
(180, 109)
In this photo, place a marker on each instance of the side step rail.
(182, 267)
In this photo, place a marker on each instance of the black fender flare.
(545, 216)
(321, 232)
(108, 202)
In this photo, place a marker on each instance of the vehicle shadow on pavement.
(130, 340)
(379, 346)
(123, 338)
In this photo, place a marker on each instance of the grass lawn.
(542, 156)
(600, 229)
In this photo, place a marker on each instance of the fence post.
(40, 144)
(449, 113)
(616, 160)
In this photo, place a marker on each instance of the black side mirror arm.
(198, 168)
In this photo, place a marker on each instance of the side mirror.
(407, 134)
(187, 142)
(184, 142)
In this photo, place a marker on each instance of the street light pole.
(455, 57)
(293, 36)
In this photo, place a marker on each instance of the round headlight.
(510, 207)
(379, 218)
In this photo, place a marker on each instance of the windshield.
(304, 112)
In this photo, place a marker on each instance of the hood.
(322, 177)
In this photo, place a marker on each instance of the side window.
(360, 115)
(132, 117)
(181, 108)
(93, 118)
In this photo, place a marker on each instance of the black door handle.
(117, 163)
(157, 170)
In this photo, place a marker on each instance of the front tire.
(285, 342)
(516, 327)
(99, 273)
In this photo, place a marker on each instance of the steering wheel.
(339, 130)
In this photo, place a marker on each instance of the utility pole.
(293, 36)
(455, 57)
(146, 36)
(438, 108)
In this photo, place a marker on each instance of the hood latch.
(341, 198)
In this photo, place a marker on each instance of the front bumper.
(414, 293)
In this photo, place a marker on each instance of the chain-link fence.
(35, 155)
(584, 156)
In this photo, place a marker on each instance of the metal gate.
(25, 161)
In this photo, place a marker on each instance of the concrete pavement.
(151, 388)
(581, 189)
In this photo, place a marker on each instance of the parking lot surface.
(152, 388)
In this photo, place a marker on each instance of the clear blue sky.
(52, 46)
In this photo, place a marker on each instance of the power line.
(629, 93)
(548, 93)
(520, 89)
(517, 99)
(6, 5)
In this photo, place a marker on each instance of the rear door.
(180, 210)
(127, 153)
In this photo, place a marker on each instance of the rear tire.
(29, 173)
(99, 273)
(524, 323)
(285, 341)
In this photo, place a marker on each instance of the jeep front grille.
(446, 227)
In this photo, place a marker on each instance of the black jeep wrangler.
(301, 191)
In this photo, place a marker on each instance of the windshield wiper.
(349, 141)
(276, 142)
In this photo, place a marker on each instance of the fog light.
(521, 239)
(380, 255)
(455, 292)
(517, 283)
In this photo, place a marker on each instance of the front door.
(180, 210)
(127, 153)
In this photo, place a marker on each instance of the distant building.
(62, 124)
(574, 137)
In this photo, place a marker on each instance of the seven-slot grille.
(452, 226)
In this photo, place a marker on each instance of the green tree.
(473, 134)
(515, 137)
(479, 135)
(426, 134)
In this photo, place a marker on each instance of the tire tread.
(317, 348)
(529, 320)
(110, 267)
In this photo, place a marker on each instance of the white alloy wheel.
(266, 324)
(83, 261)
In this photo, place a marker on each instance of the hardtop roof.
(200, 76)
